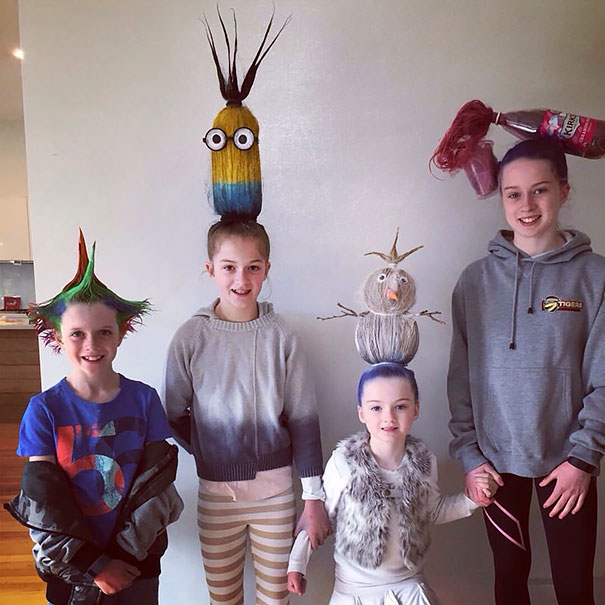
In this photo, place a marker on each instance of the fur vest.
(364, 509)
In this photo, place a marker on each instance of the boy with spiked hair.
(97, 492)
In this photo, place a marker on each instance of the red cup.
(482, 169)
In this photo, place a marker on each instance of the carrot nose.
(392, 294)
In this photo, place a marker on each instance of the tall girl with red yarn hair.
(526, 381)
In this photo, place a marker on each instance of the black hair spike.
(230, 89)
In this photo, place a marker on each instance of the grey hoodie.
(526, 381)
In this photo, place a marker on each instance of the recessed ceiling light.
(18, 52)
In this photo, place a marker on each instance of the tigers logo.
(554, 303)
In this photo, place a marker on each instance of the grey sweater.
(240, 397)
(526, 381)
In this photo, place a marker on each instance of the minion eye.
(243, 138)
(215, 139)
(382, 277)
(403, 279)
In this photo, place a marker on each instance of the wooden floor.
(19, 583)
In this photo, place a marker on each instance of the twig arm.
(427, 313)
(345, 312)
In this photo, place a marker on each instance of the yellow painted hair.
(236, 178)
(230, 164)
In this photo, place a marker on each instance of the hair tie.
(389, 363)
(232, 217)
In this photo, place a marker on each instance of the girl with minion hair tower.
(239, 394)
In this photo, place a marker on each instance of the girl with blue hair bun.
(382, 495)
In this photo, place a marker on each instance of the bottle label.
(573, 130)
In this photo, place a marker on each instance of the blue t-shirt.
(98, 445)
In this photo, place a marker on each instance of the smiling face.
(89, 337)
(532, 196)
(388, 409)
(239, 269)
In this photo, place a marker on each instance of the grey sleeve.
(57, 554)
(53, 546)
(178, 388)
(300, 409)
(148, 521)
(464, 446)
(589, 440)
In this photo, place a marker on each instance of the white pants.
(414, 591)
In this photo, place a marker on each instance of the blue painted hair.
(387, 369)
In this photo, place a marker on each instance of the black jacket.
(65, 550)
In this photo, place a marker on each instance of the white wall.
(351, 101)
(13, 177)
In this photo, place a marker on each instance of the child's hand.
(486, 484)
(479, 489)
(314, 520)
(116, 576)
(297, 583)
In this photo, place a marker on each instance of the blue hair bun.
(387, 369)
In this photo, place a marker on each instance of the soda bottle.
(578, 135)
(461, 146)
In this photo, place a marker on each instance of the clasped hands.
(568, 495)
(314, 520)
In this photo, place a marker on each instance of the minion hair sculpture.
(233, 138)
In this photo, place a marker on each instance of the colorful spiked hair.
(233, 138)
(85, 288)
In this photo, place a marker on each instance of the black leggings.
(571, 543)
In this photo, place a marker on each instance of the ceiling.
(11, 101)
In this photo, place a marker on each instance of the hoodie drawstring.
(513, 322)
(530, 308)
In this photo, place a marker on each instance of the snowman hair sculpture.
(387, 331)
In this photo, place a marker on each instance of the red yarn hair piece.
(461, 139)
(82, 265)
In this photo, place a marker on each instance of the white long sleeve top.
(351, 578)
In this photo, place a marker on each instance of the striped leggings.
(224, 528)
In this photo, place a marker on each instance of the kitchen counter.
(14, 321)
(19, 371)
